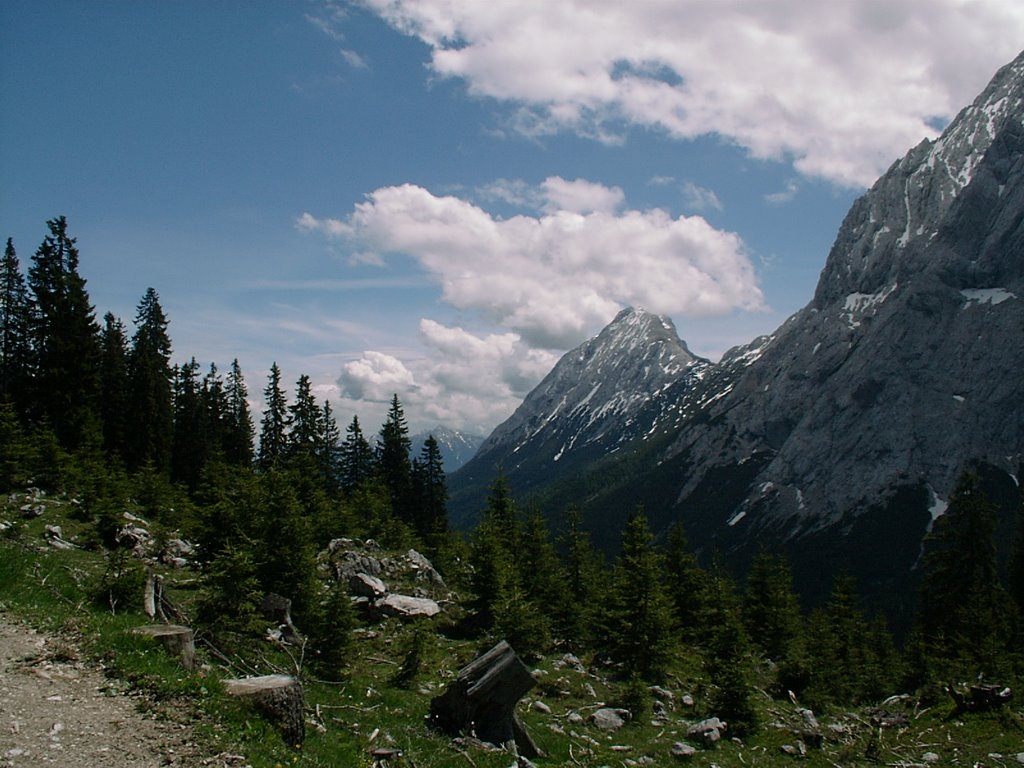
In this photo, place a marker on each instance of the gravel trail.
(56, 710)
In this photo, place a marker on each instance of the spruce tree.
(304, 423)
(685, 581)
(357, 460)
(394, 461)
(964, 610)
(1015, 577)
(238, 432)
(580, 599)
(727, 645)
(150, 417)
(191, 445)
(431, 493)
(274, 425)
(770, 608)
(215, 408)
(493, 547)
(114, 386)
(328, 450)
(65, 339)
(639, 615)
(15, 332)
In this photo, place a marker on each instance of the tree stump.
(176, 640)
(280, 698)
(482, 700)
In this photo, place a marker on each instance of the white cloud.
(375, 377)
(354, 59)
(698, 198)
(784, 195)
(580, 196)
(842, 90)
(557, 277)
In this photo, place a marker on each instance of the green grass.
(57, 591)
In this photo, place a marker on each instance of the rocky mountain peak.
(904, 208)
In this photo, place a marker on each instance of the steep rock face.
(906, 365)
(840, 436)
(600, 395)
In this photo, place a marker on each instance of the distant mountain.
(839, 437)
(456, 447)
(597, 398)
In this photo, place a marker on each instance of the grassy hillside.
(95, 594)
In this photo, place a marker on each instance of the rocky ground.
(56, 710)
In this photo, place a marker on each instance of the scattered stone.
(662, 694)
(540, 706)
(687, 700)
(29, 511)
(405, 607)
(569, 661)
(682, 751)
(1020, 758)
(707, 732)
(930, 757)
(589, 690)
(575, 718)
(809, 718)
(609, 719)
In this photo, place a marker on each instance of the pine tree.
(539, 568)
(151, 419)
(964, 609)
(65, 339)
(285, 542)
(274, 425)
(394, 461)
(239, 432)
(639, 614)
(15, 332)
(357, 459)
(114, 386)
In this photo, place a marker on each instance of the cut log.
(176, 640)
(280, 698)
(481, 701)
(980, 698)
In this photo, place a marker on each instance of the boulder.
(682, 751)
(405, 607)
(365, 585)
(423, 568)
(707, 732)
(609, 719)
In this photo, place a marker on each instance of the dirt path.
(57, 711)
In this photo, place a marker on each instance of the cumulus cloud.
(841, 90)
(375, 377)
(555, 277)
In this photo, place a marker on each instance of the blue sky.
(439, 198)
